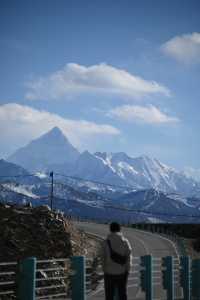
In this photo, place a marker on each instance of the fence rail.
(78, 278)
(8, 280)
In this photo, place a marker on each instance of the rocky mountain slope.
(134, 206)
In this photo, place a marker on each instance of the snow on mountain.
(182, 199)
(52, 151)
(145, 173)
(137, 206)
(92, 167)
(145, 186)
(72, 202)
(41, 175)
(20, 189)
(156, 204)
(49, 149)
(148, 172)
(9, 195)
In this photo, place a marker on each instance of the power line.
(96, 182)
(151, 213)
(21, 193)
(16, 176)
(137, 210)
(75, 178)
(107, 198)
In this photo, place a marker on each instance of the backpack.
(116, 257)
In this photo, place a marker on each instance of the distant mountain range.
(137, 189)
(149, 206)
(53, 151)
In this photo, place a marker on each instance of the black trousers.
(115, 283)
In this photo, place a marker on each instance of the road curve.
(143, 243)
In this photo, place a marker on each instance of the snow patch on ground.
(20, 190)
(90, 203)
(180, 198)
(41, 175)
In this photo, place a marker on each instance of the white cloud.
(76, 79)
(193, 173)
(20, 124)
(135, 114)
(184, 48)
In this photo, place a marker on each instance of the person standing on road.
(116, 263)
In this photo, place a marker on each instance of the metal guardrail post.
(146, 276)
(195, 278)
(185, 277)
(78, 278)
(26, 279)
(168, 276)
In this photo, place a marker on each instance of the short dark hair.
(115, 227)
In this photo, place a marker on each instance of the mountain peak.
(55, 134)
(56, 130)
(87, 156)
(50, 148)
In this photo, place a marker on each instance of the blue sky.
(113, 75)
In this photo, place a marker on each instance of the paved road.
(142, 243)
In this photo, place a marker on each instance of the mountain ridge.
(53, 151)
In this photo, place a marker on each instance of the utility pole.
(51, 194)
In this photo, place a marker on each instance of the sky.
(113, 75)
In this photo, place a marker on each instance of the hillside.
(27, 231)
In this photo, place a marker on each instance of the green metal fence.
(33, 279)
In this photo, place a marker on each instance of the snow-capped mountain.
(52, 148)
(138, 206)
(52, 151)
(144, 187)
(145, 173)
(158, 202)
(92, 167)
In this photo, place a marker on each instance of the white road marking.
(162, 237)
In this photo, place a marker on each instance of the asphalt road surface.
(143, 243)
